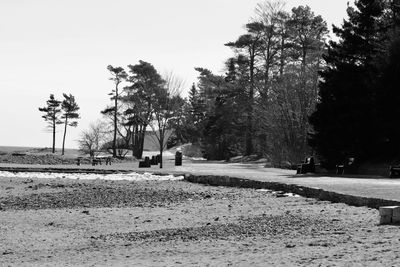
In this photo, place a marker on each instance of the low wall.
(308, 192)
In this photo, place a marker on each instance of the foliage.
(356, 113)
(166, 104)
(261, 105)
(118, 75)
(70, 114)
(139, 99)
(51, 115)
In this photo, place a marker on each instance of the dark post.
(178, 158)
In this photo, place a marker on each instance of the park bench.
(394, 171)
(108, 160)
(348, 167)
(96, 161)
(308, 166)
(99, 160)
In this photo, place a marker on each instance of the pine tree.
(52, 116)
(70, 109)
(345, 119)
(118, 76)
(140, 95)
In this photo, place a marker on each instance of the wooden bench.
(308, 166)
(394, 171)
(348, 167)
(96, 161)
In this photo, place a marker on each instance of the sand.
(66, 222)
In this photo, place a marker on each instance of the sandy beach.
(66, 222)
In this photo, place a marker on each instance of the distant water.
(90, 176)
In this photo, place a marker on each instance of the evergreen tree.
(140, 95)
(249, 44)
(388, 97)
(118, 76)
(70, 115)
(221, 127)
(345, 121)
(195, 115)
(52, 116)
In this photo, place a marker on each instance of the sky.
(64, 46)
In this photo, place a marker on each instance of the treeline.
(262, 103)
(260, 106)
(286, 92)
(358, 111)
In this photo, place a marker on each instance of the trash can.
(178, 158)
(145, 163)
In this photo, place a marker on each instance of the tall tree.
(272, 20)
(70, 114)
(166, 105)
(249, 45)
(289, 58)
(52, 116)
(118, 76)
(387, 89)
(308, 40)
(140, 94)
(345, 119)
(222, 122)
(193, 117)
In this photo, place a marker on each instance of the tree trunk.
(249, 132)
(161, 158)
(115, 122)
(54, 136)
(161, 141)
(141, 141)
(282, 58)
(65, 133)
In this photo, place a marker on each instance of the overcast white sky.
(49, 46)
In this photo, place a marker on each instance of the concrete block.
(396, 219)
(389, 214)
(387, 210)
(396, 211)
(385, 219)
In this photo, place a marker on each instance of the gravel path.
(52, 222)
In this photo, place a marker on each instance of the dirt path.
(52, 222)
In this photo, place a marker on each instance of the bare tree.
(166, 105)
(92, 140)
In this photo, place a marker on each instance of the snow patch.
(91, 176)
